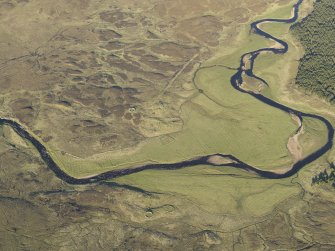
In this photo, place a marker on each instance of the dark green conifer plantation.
(317, 34)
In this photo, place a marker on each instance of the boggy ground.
(93, 76)
(191, 209)
(219, 119)
(40, 212)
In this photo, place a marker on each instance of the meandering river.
(236, 81)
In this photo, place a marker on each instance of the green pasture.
(230, 122)
(217, 190)
(227, 122)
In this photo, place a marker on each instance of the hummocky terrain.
(109, 86)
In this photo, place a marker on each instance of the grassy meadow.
(229, 122)
(223, 121)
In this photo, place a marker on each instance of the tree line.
(317, 34)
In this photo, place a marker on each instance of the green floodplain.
(220, 120)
